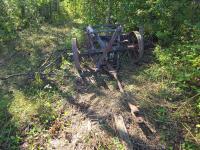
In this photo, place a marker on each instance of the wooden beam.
(121, 128)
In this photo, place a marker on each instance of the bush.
(183, 63)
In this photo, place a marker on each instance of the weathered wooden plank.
(121, 128)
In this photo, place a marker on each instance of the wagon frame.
(108, 42)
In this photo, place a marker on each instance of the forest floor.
(62, 112)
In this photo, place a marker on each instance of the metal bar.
(76, 54)
(114, 37)
(90, 41)
(92, 34)
(106, 25)
(104, 30)
(96, 52)
(99, 52)
(100, 41)
(113, 72)
(108, 47)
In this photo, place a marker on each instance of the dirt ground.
(66, 112)
(94, 107)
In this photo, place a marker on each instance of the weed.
(118, 144)
(161, 114)
(188, 145)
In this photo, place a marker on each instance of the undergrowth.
(167, 89)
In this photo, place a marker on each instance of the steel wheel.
(76, 56)
(135, 46)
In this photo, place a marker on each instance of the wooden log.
(121, 128)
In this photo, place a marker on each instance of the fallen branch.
(186, 102)
(14, 75)
(31, 75)
(48, 64)
(41, 69)
(184, 125)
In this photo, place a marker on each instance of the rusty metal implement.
(107, 43)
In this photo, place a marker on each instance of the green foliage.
(161, 114)
(182, 62)
(168, 20)
(33, 106)
(188, 145)
(113, 144)
(38, 79)
(174, 23)
(118, 144)
(19, 14)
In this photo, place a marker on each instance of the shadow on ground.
(96, 101)
(9, 132)
(104, 113)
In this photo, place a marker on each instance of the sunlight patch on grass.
(21, 108)
(43, 105)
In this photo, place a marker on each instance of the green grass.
(29, 108)
(161, 99)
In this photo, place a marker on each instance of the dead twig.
(14, 75)
(47, 64)
(185, 126)
(186, 102)
(41, 69)
(31, 75)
